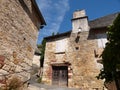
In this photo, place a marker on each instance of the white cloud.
(53, 12)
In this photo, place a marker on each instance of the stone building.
(36, 61)
(72, 58)
(20, 21)
(36, 58)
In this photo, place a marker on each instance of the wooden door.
(60, 75)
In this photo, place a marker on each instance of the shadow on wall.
(26, 9)
(35, 69)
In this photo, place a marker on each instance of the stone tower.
(83, 63)
(79, 21)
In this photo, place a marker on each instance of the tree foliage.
(53, 34)
(39, 46)
(111, 54)
(42, 52)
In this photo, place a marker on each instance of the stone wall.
(18, 35)
(51, 57)
(35, 64)
(36, 61)
(83, 64)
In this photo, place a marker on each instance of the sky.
(58, 13)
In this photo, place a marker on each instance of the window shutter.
(102, 40)
(61, 46)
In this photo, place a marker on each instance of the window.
(77, 48)
(102, 40)
(61, 45)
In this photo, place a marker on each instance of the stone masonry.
(81, 55)
(19, 24)
(82, 68)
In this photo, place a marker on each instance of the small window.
(77, 48)
(102, 40)
(77, 39)
(61, 45)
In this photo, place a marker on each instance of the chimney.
(79, 21)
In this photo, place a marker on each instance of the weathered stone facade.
(19, 24)
(80, 53)
(36, 61)
(36, 58)
(82, 64)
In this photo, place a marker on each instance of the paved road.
(36, 86)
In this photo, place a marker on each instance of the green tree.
(111, 55)
(57, 33)
(42, 52)
(39, 46)
(53, 34)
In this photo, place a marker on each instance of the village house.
(20, 21)
(36, 61)
(36, 58)
(72, 58)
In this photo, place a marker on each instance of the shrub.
(14, 83)
(39, 80)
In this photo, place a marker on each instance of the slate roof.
(96, 23)
(103, 21)
(59, 35)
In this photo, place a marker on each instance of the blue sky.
(58, 13)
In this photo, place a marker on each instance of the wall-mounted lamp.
(79, 30)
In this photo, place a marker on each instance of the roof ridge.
(103, 21)
(105, 16)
